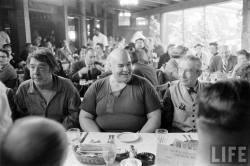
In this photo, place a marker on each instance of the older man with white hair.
(180, 100)
(122, 101)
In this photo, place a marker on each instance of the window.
(219, 22)
(141, 21)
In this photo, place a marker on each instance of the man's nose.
(125, 68)
(36, 70)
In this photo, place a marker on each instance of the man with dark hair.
(215, 63)
(141, 67)
(46, 94)
(85, 68)
(180, 100)
(8, 74)
(34, 141)
(223, 120)
(164, 58)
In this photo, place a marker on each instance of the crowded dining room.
(124, 82)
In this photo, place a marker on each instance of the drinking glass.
(161, 135)
(109, 154)
(73, 135)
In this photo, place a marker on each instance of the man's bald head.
(119, 63)
(34, 141)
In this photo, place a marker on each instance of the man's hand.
(84, 70)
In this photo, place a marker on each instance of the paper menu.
(174, 156)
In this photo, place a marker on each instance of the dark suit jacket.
(91, 75)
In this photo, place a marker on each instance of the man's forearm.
(152, 124)
(89, 125)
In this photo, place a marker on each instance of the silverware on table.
(185, 137)
(190, 137)
(84, 137)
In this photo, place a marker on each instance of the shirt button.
(193, 105)
(193, 116)
(193, 110)
(193, 121)
(194, 126)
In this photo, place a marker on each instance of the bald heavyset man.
(122, 101)
(34, 141)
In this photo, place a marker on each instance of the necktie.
(191, 90)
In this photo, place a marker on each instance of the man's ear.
(108, 66)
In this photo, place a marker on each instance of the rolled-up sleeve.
(152, 100)
(89, 101)
(73, 103)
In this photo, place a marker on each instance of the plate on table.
(128, 137)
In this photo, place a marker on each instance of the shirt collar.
(195, 88)
(57, 87)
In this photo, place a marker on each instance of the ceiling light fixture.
(125, 14)
(128, 2)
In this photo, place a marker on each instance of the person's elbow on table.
(153, 122)
(87, 122)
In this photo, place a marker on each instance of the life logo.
(229, 154)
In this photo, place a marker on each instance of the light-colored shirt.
(185, 106)
(4, 38)
(101, 38)
(5, 112)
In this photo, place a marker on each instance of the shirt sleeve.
(5, 114)
(89, 101)
(21, 108)
(167, 111)
(152, 100)
(73, 108)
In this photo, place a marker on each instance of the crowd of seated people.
(127, 91)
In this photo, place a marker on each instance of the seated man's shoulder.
(24, 86)
(100, 82)
(65, 82)
(139, 79)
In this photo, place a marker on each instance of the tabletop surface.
(146, 143)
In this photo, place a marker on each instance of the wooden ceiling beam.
(163, 2)
(178, 6)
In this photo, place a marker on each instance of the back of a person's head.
(225, 106)
(141, 55)
(34, 141)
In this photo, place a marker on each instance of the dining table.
(146, 142)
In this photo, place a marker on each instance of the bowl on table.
(89, 154)
(131, 162)
(146, 158)
(121, 154)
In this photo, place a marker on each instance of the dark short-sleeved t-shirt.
(125, 112)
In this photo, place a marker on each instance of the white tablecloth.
(146, 143)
